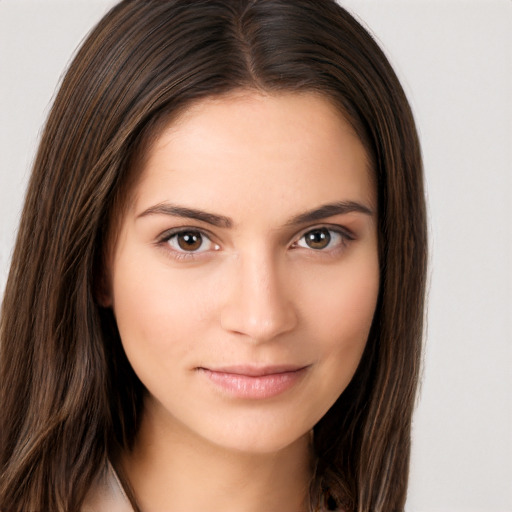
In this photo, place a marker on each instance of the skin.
(253, 293)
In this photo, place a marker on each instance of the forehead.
(247, 149)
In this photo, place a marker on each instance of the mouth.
(254, 382)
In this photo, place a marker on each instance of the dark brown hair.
(64, 410)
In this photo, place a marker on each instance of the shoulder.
(106, 494)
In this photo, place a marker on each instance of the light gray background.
(454, 58)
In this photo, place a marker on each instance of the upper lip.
(255, 371)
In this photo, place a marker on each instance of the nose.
(259, 304)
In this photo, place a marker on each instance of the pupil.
(318, 239)
(189, 241)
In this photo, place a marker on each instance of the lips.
(254, 382)
(256, 371)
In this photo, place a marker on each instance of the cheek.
(345, 300)
(341, 318)
(160, 314)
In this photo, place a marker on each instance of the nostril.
(260, 319)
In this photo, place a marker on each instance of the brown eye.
(323, 239)
(189, 240)
(318, 238)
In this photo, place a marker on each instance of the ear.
(103, 298)
(102, 287)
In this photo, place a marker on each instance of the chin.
(260, 443)
(255, 430)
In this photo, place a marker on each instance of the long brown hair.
(69, 397)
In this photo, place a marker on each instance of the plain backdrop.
(454, 59)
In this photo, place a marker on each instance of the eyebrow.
(329, 210)
(188, 213)
(324, 211)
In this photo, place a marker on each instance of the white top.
(107, 494)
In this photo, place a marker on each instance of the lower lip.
(259, 387)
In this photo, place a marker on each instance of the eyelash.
(180, 255)
(346, 236)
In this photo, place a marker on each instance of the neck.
(173, 470)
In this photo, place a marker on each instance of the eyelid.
(342, 230)
(167, 235)
(337, 245)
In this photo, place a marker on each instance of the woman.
(216, 296)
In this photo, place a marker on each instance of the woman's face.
(245, 275)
